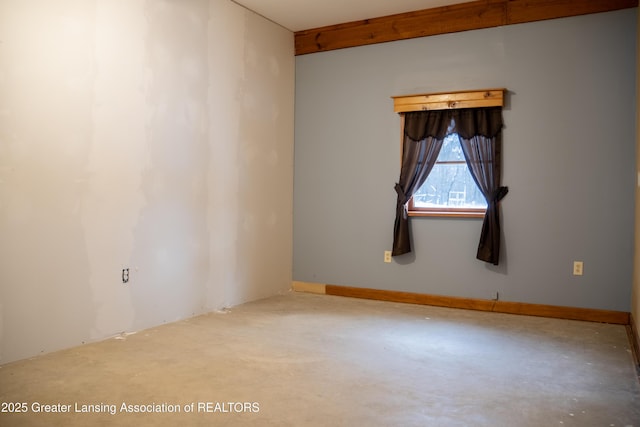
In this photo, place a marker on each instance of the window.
(473, 120)
(449, 189)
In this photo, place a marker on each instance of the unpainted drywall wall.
(150, 135)
(569, 163)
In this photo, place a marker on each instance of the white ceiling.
(297, 15)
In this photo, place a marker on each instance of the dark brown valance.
(470, 122)
(466, 122)
(419, 125)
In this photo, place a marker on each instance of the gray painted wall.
(569, 162)
(635, 299)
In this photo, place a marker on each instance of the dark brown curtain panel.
(480, 132)
(424, 132)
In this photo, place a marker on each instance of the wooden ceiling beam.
(447, 19)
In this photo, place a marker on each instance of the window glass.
(449, 184)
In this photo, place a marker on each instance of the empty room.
(319, 213)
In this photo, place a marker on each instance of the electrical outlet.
(125, 275)
(387, 256)
(577, 268)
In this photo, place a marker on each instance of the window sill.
(449, 213)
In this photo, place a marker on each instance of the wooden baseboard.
(313, 288)
(558, 312)
(634, 340)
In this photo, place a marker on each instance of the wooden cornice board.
(541, 310)
(447, 19)
(449, 100)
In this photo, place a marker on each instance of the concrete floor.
(316, 360)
